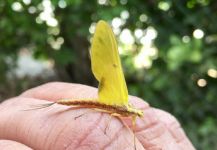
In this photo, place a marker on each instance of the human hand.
(56, 128)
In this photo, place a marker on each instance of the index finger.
(59, 90)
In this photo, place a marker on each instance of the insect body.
(111, 109)
(106, 67)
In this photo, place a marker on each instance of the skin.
(56, 128)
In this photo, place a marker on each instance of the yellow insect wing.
(106, 67)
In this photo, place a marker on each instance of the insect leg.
(90, 110)
(133, 127)
(108, 123)
(109, 120)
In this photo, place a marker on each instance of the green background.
(181, 78)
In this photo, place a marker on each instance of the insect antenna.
(39, 106)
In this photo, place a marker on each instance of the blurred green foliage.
(170, 84)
